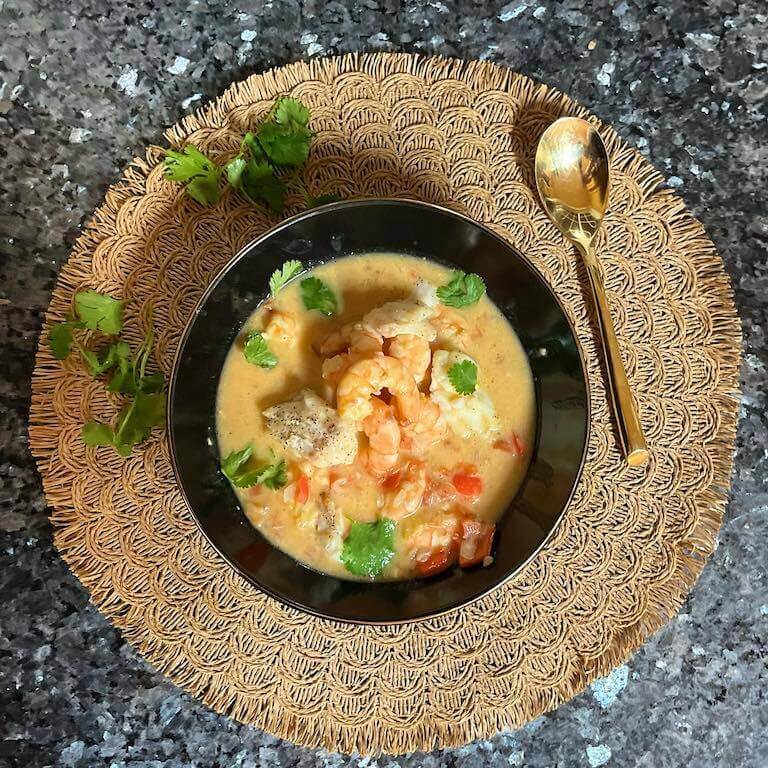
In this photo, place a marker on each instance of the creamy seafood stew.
(380, 433)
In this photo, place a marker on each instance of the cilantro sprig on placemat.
(145, 406)
(261, 170)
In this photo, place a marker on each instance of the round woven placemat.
(634, 539)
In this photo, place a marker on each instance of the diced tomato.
(512, 444)
(392, 481)
(476, 541)
(468, 485)
(302, 489)
(438, 561)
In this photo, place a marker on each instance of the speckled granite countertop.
(85, 85)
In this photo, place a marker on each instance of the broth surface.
(497, 455)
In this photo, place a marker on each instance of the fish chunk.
(312, 430)
(396, 318)
(466, 415)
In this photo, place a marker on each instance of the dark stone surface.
(86, 85)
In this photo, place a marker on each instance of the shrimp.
(438, 531)
(383, 433)
(396, 318)
(408, 496)
(429, 428)
(338, 341)
(366, 378)
(281, 326)
(381, 428)
(450, 326)
(361, 344)
(413, 352)
(380, 463)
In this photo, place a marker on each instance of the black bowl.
(332, 232)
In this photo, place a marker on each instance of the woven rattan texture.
(634, 539)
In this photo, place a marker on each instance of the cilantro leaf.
(317, 295)
(285, 144)
(187, 164)
(123, 380)
(291, 112)
(369, 547)
(94, 433)
(137, 419)
(257, 181)
(205, 189)
(134, 424)
(235, 460)
(130, 376)
(99, 312)
(281, 276)
(257, 352)
(463, 377)
(274, 475)
(60, 338)
(152, 383)
(201, 173)
(316, 202)
(234, 170)
(252, 145)
(254, 176)
(462, 290)
(147, 409)
(234, 468)
(112, 355)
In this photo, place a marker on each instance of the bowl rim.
(285, 224)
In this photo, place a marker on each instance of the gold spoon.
(573, 180)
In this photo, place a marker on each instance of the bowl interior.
(329, 233)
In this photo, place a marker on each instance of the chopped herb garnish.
(99, 312)
(291, 113)
(318, 296)
(251, 174)
(273, 476)
(281, 276)
(281, 141)
(112, 356)
(463, 377)
(95, 311)
(234, 467)
(235, 460)
(137, 417)
(60, 337)
(369, 547)
(94, 433)
(257, 352)
(199, 172)
(462, 290)
(133, 426)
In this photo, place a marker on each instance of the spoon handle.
(630, 430)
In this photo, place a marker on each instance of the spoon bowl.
(573, 177)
